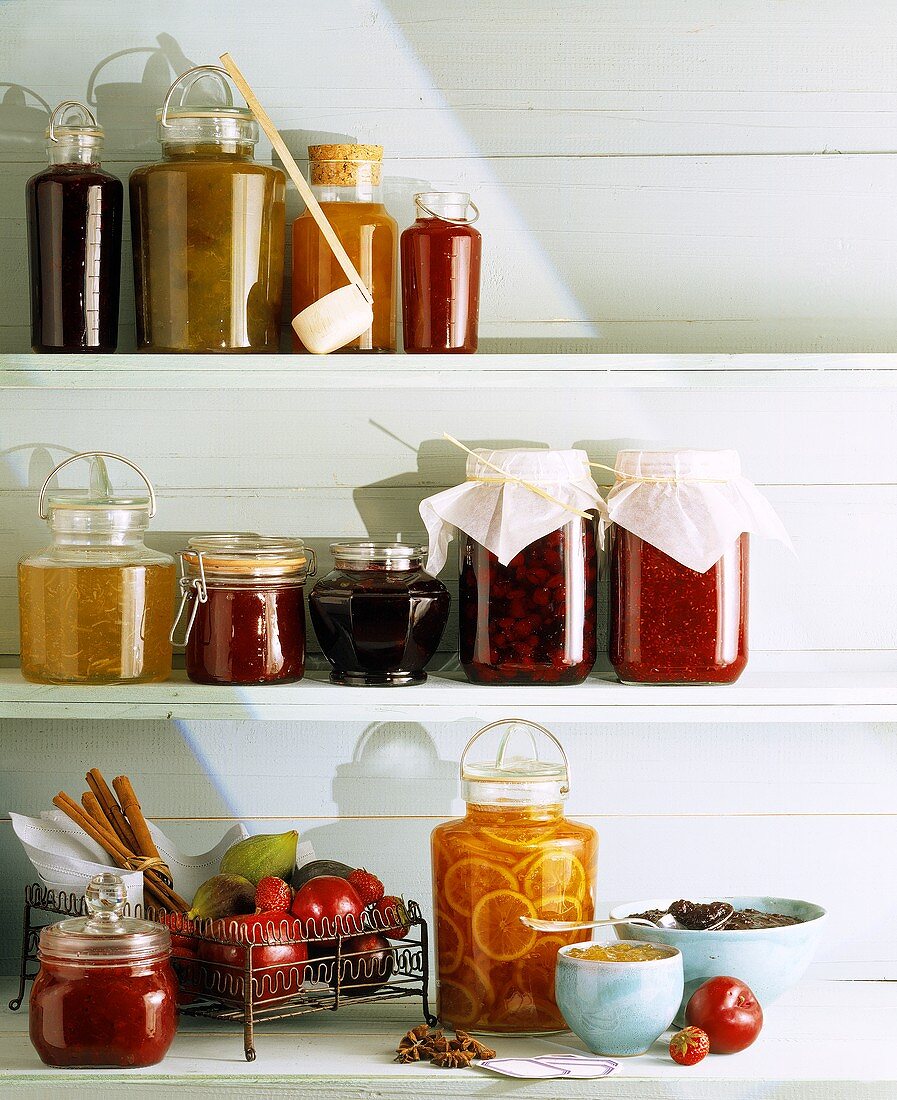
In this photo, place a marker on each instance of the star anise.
(453, 1059)
(465, 1041)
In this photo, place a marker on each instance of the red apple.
(276, 966)
(728, 1011)
(327, 905)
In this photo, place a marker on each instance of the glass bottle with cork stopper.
(105, 994)
(74, 212)
(346, 180)
(513, 854)
(95, 607)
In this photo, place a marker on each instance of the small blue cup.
(618, 1008)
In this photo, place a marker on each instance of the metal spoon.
(575, 925)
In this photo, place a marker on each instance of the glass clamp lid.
(377, 555)
(448, 206)
(99, 496)
(509, 777)
(88, 133)
(105, 935)
(209, 122)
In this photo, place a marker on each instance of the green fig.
(258, 856)
(223, 896)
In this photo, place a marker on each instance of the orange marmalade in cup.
(513, 854)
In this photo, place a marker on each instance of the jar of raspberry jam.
(679, 565)
(246, 599)
(105, 994)
(378, 616)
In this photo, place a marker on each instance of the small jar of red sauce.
(378, 616)
(105, 994)
(679, 563)
(440, 256)
(246, 598)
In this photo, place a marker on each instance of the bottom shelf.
(826, 1040)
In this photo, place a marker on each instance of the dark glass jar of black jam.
(378, 616)
(74, 212)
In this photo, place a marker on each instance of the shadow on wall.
(395, 772)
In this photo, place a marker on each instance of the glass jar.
(345, 180)
(378, 616)
(513, 854)
(74, 212)
(208, 232)
(105, 994)
(535, 619)
(441, 275)
(246, 620)
(671, 624)
(96, 606)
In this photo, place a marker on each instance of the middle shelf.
(765, 693)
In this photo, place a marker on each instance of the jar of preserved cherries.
(679, 565)
(95, 607)
(105, 994)
(529, 565)
(512, 855)
(378, 616)
(441, 274)
(208, 229)
(246, 619)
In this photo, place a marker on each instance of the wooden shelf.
(130, 371)
(825, 1040)
(767, 692)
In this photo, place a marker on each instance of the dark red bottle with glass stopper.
(74, 213)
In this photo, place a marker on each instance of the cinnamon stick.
(109, 842)
(132, 811)
(111, 808)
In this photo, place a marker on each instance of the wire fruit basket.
(274, 969)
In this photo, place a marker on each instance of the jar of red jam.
(105, 994)
(529, 564)
(440, 256)
(679, 564)
(378, 616)
(246, 600)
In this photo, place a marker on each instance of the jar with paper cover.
(514, 854)
(528, 563)
(679, 562)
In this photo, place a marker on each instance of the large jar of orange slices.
(513, 854)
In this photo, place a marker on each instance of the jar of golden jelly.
(95, 607)
(244, 599)
(208, 228)
(512, 855)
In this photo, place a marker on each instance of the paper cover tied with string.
(692, 505)
(510, 499)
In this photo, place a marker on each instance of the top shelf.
(130, 371)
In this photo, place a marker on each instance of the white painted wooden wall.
(688, 176)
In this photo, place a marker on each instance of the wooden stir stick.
(344, 314)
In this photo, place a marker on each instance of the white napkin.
(66, 858)
(502, 514)
(696, 508)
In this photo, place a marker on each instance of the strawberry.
(368, 887)
(689, 1046)
(389, 908)
(272, 894)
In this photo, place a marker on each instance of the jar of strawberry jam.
(679, 565)
(246, 598)
(378, 616)
(514, 854)
(529, 564)
(105, 994)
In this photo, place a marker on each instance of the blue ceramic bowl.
(769, 960)
(618, 1008)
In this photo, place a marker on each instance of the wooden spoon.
(346, 313)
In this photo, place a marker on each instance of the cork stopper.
(346, 165)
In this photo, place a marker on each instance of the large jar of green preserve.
(208, 227)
